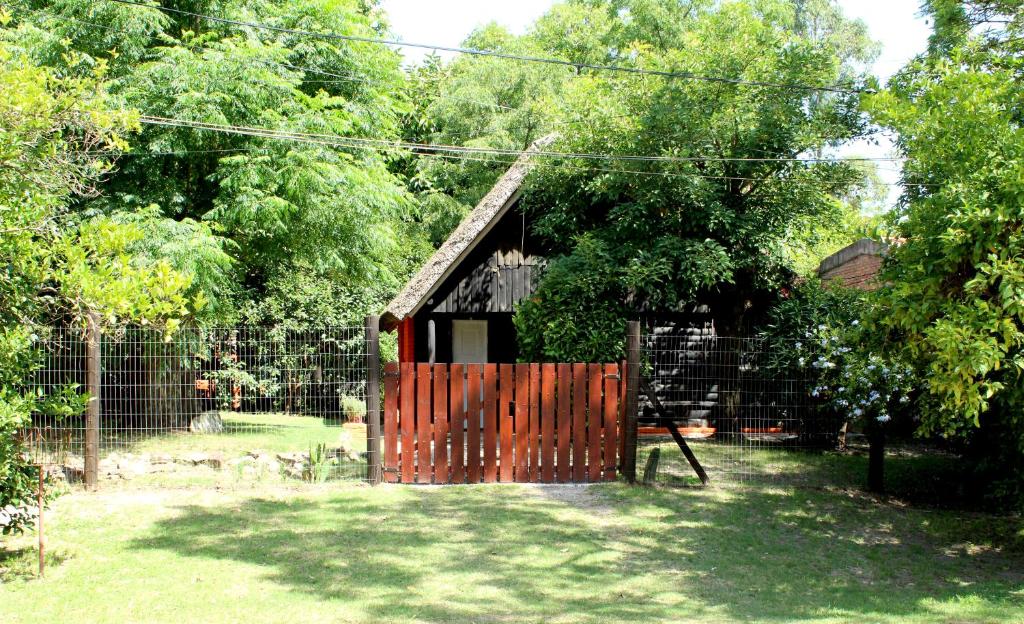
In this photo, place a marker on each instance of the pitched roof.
(466, 236)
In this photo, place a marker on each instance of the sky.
(894, 23)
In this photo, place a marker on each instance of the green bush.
(575, 314)
(354, 409)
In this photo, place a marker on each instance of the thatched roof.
(470, 232)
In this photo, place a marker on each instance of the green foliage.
(319, 464)
(235, 213)
(573, 315)
(806, 306)
(354, 409)
(659, 236)
(956, 300)
(854, 379)
(58, 133)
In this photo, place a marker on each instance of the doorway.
(469, 342)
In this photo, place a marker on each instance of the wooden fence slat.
(490, 423)
(579, 423)
(611, 418)
(441, 423)
(538, 423)
(594, 417)
(424, 463)
(621, 421)
(391, 422)
(534, 440)
(547, 424)
(407, 407)
(473, 424)
(563, 422)
(457, 423)
(522, 423)
(505, 422)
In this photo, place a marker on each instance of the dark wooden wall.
(497, 275)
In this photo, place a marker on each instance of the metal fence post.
(632, 400)
(373, 467)
(92, 409)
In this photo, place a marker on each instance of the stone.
(293, 459)
(212, 460)
(207, 422)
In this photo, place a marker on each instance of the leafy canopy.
(659, 236)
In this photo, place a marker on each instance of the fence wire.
(264, 393)
(744, 418)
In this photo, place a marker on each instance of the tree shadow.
(610, 553)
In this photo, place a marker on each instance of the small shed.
(459, 306)
(855, 266)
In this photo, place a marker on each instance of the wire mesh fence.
(267, 394)
(744, 418)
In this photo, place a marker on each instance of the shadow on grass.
(607, 554)
(914, 473)
(23, 563)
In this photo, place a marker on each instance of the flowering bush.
(853, 380)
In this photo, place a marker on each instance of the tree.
(238, 213)
(59, 133)
(955, 303)
(709, 223)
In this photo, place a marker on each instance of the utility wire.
(476, 154)
(504, 55)
(333, 139)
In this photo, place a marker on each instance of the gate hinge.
(615, 376)
(391, 470)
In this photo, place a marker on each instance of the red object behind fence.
(523, 423)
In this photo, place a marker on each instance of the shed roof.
(466, 236)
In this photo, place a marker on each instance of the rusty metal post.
(92, 410)
(632, 408)
(373, 417)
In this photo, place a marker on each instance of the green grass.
(609, 553)
(247, 432)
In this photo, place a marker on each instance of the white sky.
(895, 23)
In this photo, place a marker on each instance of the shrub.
(353, 408)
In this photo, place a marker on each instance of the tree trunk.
(876, 460)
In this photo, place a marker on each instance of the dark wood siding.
(496, 276)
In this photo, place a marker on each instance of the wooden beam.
(373, 467)
(632, 399)
(92, 409)
(673, 428)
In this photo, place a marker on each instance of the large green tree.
(242, 214)
(58, 133)
(955, 302)
(715, 220)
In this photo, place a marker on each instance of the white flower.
(884, 418)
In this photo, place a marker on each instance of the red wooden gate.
(486, 423)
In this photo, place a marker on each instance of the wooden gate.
(487, 423)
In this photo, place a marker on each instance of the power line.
(474, 155)
(363, 142)
(352, 77)
(504, 55)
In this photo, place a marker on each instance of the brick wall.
(856, 266)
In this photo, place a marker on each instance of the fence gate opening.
(487, 423)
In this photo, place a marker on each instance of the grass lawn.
(247, 432)
(608, 553)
